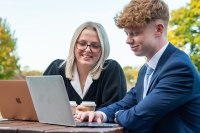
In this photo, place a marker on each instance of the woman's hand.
(80, 108)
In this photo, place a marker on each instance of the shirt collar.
(75, 82)
(154, 60)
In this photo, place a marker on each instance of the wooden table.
(14, 126)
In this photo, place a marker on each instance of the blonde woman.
(87, 73)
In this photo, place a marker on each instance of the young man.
(167, 100)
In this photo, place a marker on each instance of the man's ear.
(159, 29)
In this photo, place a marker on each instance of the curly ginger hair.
(139, 13)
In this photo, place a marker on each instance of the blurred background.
(34, 33)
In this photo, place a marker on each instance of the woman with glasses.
(87, 75)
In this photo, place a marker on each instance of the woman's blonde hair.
(105, 50)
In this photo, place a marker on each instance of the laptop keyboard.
(94, 124)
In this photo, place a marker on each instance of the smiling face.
(87, 57)
(144, 41)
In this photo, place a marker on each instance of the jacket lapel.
(166, 54)
(140, 83)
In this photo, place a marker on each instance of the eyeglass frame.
(77, 42)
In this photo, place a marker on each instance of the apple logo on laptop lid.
(18, 100)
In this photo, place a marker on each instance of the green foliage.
(8, 55)
(184, 30)
(131, 74)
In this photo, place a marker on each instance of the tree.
(131, 74)
(8, 54)
(184, 30)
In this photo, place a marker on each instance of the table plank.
(86, 130)
(12, 126)
(15, 126)
(39, 128)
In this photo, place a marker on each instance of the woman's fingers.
(80, 108)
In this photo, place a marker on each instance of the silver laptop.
(51, 102)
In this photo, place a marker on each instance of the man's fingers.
(115, 120)
(99, 120)
(78, 116)
(91, 116)
(84, 116)
(96, 117)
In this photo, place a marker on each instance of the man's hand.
(89, 116)
(115, 120)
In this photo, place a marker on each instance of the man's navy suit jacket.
(172, 104)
